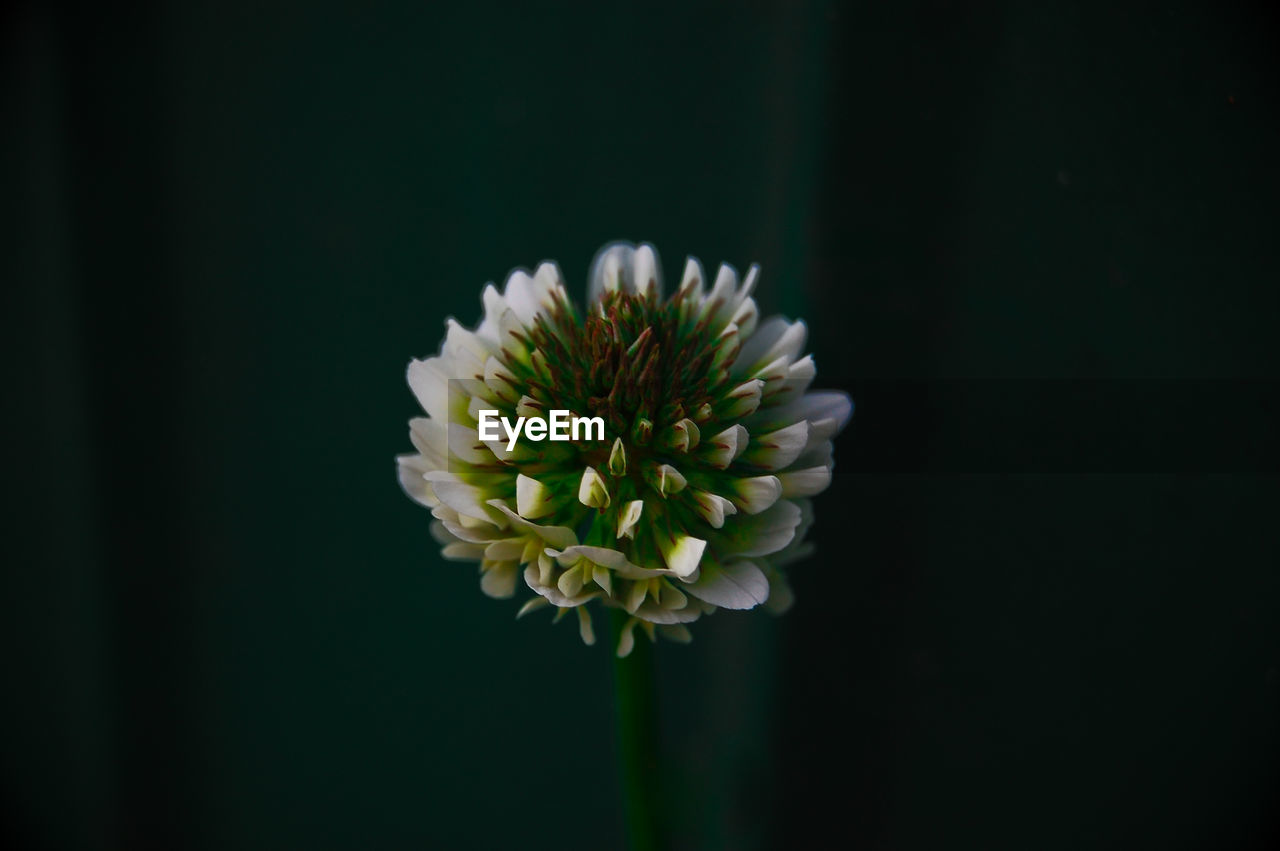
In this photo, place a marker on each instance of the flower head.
(696, 496)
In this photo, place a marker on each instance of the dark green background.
(230, 225)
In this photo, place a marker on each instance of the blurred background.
(230, 225)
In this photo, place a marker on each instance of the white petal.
(571, 581)
(652, 613)
(430, 385)
(467, 350)
(666, 479)
(720, 451)
(555, 536)
(531, 605)
(626, 638)
(604, 578)
(755, 494)
(713, 508)
(676, 632)
(741, 585)
(827, 410)
(636, 594)
(749, 282)
(462, 551)
(530, 408)
(745, 399)
(682, 436)
(463, 498)
(767, 532)
(499, 581)
(728, 345)
(691, 283)
(518, 453)
(646, 274)
(682, 552)
(799, 375)
(799, 548)
(553, 593)
(628, 517)
(776, 337)
(802, 371)
(720, 300)
(808, 482)
(546, 570)
(670, 597)
(777, 449)
(603, 556)
(411, 471)
(533, 498)
(745, 316)
(522, 296)
(584, 626)
(465, 445)
(548, 286)
(489, 527)
(790, 344)
(431, 440)
(766, 334)
(494, 304)
(513, 339)
(610, 270)
(781, 597)
(441, 533)
(816, 454)
(499, 379)
(483, 535)
(504, 549)
(592, 490)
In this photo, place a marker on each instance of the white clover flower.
(698, 495)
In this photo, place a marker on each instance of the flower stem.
(637, 720)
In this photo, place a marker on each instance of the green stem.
(637, 720)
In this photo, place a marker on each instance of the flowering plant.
(698, 494)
